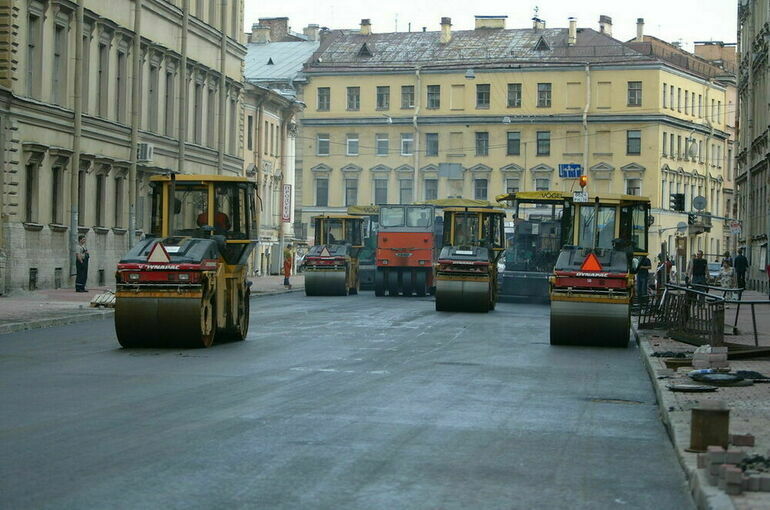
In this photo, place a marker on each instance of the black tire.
(420, 283)
(394, 286)
(379, 282)
(407, 282)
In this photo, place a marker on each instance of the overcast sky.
(671, 20)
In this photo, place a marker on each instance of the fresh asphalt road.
(339, 402)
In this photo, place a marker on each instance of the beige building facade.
(412, 116)
(97, 97)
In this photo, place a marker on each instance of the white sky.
(670, 20)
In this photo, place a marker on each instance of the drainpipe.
(285, 118)
(585, 118)
(258, 212)
(417, 103)
(77, 130)
(707, 160)
(222, 94)
(135, 116)
(182, 134)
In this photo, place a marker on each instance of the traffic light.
(677, 202)
(691, 219)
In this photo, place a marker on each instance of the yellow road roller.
(592, 284)
(185, 285)
(331, 264)
(466, 270)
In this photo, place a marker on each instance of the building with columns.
(97, 97)
(397, 117)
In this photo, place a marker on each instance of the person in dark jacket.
(741, 264)
(699, 270)
(81, 264)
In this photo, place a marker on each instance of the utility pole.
(135, 118)
(77, 129)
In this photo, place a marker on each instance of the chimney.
(279, 27)
(366, 27)
(260, 34)
(538, 24)
(605, 25)
(639, 29)
(490, 21)
(446, 30)
(572, 37)
(311, 32)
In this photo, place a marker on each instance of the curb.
(81, 316)
(276, 292)
(705, 496)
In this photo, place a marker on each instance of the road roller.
(366, 265)
(331, 264)
(184, 284)
(592, 284)
(406, 250)
(466, 270)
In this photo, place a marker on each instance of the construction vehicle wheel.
(420, 278)
(241, 328)
(393, 284)
(590, 324)
(379, 282)
(462, 296)
(208, 322)
(354, 289)
(407, 282)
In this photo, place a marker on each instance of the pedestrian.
(741, 265)
(726, 275)
(699, 271)
(642, 277)
(81, 264)
(288, 258)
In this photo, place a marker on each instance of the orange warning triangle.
(325, 252)
(591, 263)
(159, 254)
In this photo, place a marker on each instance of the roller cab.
(466, 270)
(185, 284)
(592, 285)
(406, 250)
(331, 264)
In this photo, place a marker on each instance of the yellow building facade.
(400, 117)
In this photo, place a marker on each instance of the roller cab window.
(419, 217)
(597, 226)
(391, 216)
(633, 226)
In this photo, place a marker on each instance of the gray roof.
(287, 59)
(344, 50)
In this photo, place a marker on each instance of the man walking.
(741, 265)
(642, 278)
(699, 271)
(288, 258)
(81, 264)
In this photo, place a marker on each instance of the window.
(634, 187)
(665, 95)
(233, 126)
(671, 150)
(59, 71)
(33, 56)
(211, 132)
(480, 189)
(634, 93)
(85, 71)
(543, 143)
(679, 99)
(700, 105)
(407, 143)
(719, 112)
(197, 113)
(380, 191)
(383, 98)
(665, 143)
(671, 97)
(542, 184)
(102, 79)
(543, 95)
(431, 144)
(121, 76)
(687, 102)
(482, 96)
(514, 95)
(152, 98)
(407, 96)
(324, 99)
(434, 96)
(118, 202)
(382, 144)
(431, 189)
(322, 192)
(322, 144)
(354, 98)
(168, 105)
(679, 152)
(351, 192)
(99, 201)
(513, 146)
(57, 191)
(30, 193)
(250, 132)
(352, 144)
(405, 188)
(482, 143)
(512, 185)
(633, 142)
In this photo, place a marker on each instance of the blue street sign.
(570, 170)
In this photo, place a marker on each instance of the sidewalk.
(22, 310)
(749, 406)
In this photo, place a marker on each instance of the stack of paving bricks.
(710, 357)
(723, 469)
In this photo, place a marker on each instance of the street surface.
(334, 402)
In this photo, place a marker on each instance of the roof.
(350, 50)
(276, 61)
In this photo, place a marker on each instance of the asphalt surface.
(334, 402)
